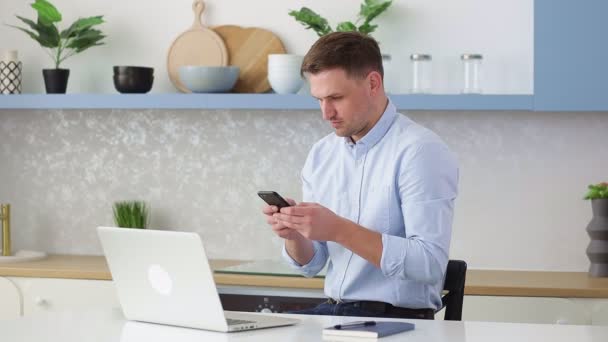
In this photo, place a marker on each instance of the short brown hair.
(356, 53)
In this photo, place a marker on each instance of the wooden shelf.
(479, 282)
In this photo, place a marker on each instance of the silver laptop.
(164, 277)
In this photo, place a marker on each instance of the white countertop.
(110, 326)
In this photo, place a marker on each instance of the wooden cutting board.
(248, 48)
(197, 46)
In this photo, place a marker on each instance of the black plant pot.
(56, 80)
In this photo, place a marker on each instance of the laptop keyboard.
(238, 321)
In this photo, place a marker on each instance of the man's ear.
(375, 82)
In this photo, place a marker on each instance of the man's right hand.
(298, 247)
(278, 228)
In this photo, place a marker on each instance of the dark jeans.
(366, 309)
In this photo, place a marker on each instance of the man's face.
(345, 102)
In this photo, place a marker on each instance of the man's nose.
(328, 110)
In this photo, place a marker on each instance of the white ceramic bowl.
(208, 79)
(284, 67)
(285, 83)
(284, 61)
(284, 72)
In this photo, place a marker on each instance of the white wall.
(523, 176)
(523, 173)
(141, 31)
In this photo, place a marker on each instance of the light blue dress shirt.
(400, 180)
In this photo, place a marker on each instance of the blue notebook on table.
(367, 329)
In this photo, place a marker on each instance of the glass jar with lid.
(421, 73)
(471, 68)
(391, 78)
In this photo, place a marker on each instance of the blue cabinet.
(571, 55)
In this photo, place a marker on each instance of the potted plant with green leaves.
(131, 214)
(597, 251)
(370, 10)
(61, 45)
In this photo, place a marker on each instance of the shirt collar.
(380, 128)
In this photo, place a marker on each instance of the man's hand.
(278, 228)
(313, 221)
(298, 247)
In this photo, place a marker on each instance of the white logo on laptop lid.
(160, 280)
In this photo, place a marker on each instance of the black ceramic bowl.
(133, 70)
(132, 84)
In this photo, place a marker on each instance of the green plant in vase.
(597, 191)
(131, 214)
(370, 10)
(60, 45)
(597, 250)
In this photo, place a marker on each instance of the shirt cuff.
(393, 255)
(314, 265)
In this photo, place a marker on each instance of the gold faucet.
(5, 215)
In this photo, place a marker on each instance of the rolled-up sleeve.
(428, 185)
(315, 265)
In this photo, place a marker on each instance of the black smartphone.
(273, 198)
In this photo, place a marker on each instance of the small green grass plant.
(131, 214)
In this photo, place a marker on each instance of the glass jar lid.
(467, 56)
(420, 57)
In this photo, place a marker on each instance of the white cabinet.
(597, 308)
(50, 294)
(26, 296)
(527, 310)
(10, 299)
(599, 312)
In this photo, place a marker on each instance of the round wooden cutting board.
(248, 48)
(197, 46)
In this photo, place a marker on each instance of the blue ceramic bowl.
(208, 79)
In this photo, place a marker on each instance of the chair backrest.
(455, 276)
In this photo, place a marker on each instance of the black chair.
(455, 276)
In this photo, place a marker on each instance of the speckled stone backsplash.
(523, 176)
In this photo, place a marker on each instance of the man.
(378, 195)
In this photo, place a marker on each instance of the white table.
(110, 326)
